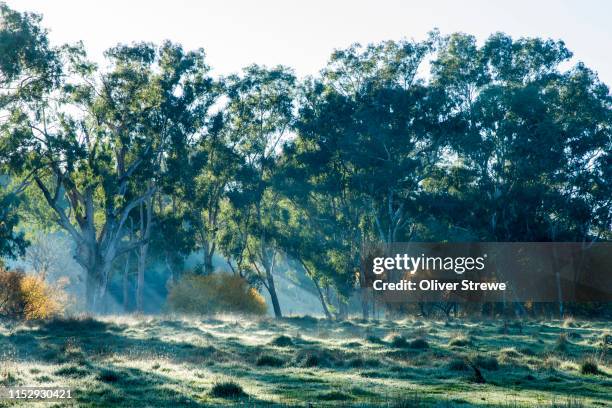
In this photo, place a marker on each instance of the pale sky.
(236, 33)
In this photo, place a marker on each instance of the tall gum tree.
(260, 111)
(95, 146)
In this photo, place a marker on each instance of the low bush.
(28, 297)
(215, 293)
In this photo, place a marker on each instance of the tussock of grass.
(562, 344)
(460, 341)
(509, 352)
(282, 341)
(79, 324)
(266, 360)
(72, 371)
(398, 341)
(109, 376)
(570, 322)
(374, 339)
(227, 389)
(418, 344)
(487, 362)
(334, 396)
(589, 367)
(458, 364)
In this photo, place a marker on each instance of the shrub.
(227, 389)
(28, 297)
(38, 301)
(215, 293)
(589, 367)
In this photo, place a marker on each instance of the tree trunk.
(322, 299)
(556, 267)
(144, 247)
(126, 282)
(272, 290)
(91, 289)
(208, 258)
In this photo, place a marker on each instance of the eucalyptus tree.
(532, 141)
(367, 137)
(260, 112)
(95, 146)
(29, 67)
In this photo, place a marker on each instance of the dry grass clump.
(460, 341)
(570, 322)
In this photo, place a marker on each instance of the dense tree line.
(150, 158)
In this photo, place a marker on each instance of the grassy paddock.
(229, 360)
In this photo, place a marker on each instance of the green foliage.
(216, 293)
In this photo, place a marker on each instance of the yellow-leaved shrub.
(215, 293)
(28, 297)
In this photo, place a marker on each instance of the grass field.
(171, 361)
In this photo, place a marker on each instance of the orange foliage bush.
(27, 297)
(215, 293)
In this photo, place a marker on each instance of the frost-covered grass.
(228, 360)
